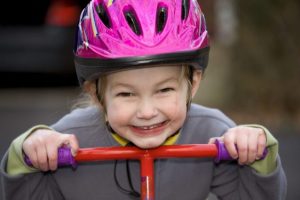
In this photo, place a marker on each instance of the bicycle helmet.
(114, 35)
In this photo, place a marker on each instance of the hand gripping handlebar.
(65, 157)
(146, 157)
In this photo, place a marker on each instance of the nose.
(147, 109)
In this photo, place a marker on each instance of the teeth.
(149, 127)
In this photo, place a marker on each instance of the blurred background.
(253, 72)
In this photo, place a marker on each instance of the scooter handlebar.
(224, 155)
(65, 157)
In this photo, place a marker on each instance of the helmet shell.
(122, 34)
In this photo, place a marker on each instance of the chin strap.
(131, 192)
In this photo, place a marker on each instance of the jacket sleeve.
(33, 186)
(261, 180)
(268, 164)
(234, 182)
(15, 163)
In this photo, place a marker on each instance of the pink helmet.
(120, 34)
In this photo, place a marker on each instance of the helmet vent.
(103, 15)
(132, 21)
(185, 7)
(161, 18)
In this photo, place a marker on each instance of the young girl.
(142, 62)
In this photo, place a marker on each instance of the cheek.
(176, 107)
(117, 113)
(180, 99)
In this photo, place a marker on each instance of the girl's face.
(146, 106)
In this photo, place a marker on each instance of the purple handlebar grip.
(224, 155)
(65, 158)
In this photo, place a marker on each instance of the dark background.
(253, 77)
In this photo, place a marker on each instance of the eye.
(168, 89)
(125, 94)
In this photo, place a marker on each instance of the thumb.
(213, 140)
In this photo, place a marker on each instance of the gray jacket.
(176, 179)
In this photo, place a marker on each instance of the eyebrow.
(117, 84)
(167, 80)
(120, 84)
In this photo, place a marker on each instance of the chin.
(148, 144)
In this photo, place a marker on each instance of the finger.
(252, 147)
(42, 158)
(261, 145)
(32, 155)
(71, 141)
(242, 147)
(52, 157)
(30, 152)
(229, 142)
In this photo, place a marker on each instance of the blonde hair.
(93, 97)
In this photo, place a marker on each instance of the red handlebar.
(146, 157)
(172, 151)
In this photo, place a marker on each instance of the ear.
(197, 77)
(90, 88)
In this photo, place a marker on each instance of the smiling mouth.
(154, 126)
